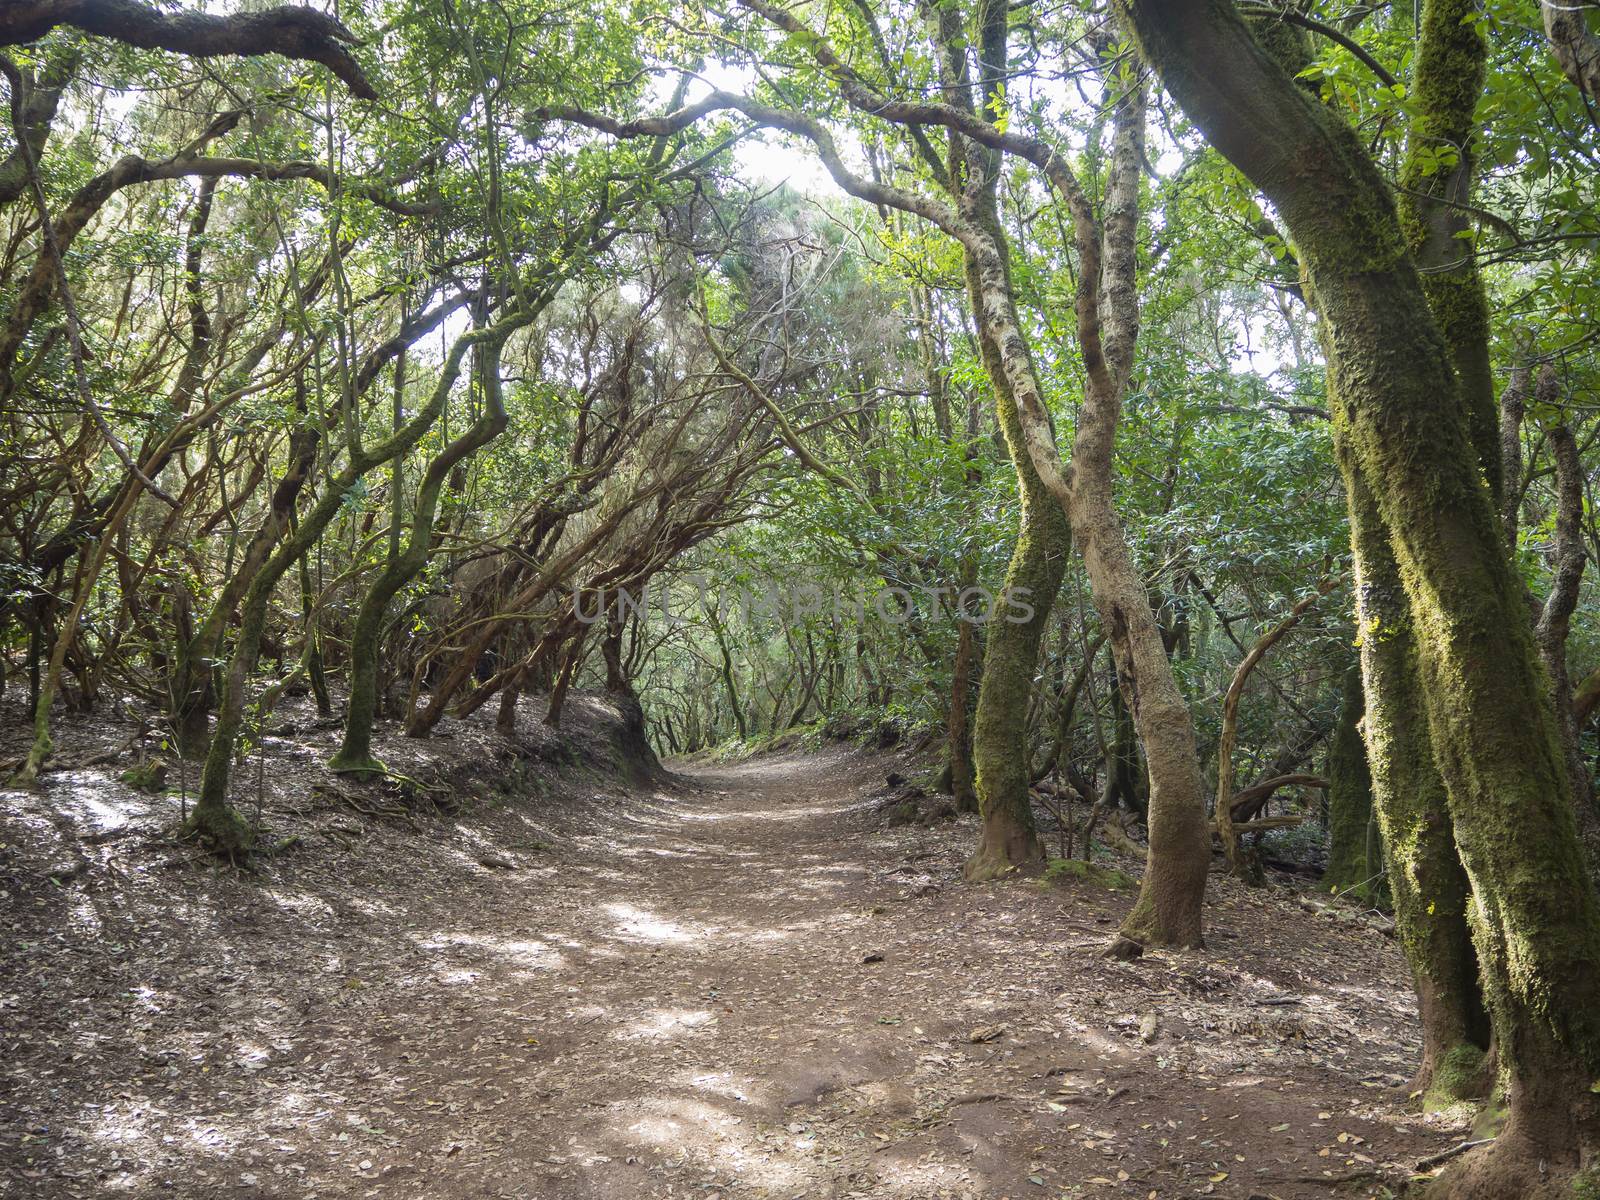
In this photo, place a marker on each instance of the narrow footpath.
(739, 984)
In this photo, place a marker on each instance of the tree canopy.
(1183, 412)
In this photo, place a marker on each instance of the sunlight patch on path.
(775, 816)
(639, 925)
(666, 1023)
(528, 953)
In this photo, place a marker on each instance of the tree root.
(1123, 949)
(1433, 1160)
(224, 833)
(374, 811)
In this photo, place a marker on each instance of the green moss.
(1427, 883)
(999, 729)
(1349, 799)
(1491, 1118)
(1585, 1184)
(1061, 871)
(222, 829)
(1438, 167)
(1457, 1076)
(1288, 45)
(148, 776)
(348, 763)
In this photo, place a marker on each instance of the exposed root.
(1123, 948)
(339, 764)
(222, 831)
(1505, 1167)
(1444, 1156)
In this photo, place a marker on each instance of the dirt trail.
(737, 985)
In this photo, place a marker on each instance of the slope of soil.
(726, 984)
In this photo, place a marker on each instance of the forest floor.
(734, 982)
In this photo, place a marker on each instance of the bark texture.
(1403, 439)
(1351, 868)
(1575, 46)
(1427, 884)
(293, 32)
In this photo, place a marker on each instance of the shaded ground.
(736, 983)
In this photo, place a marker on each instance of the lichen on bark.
(1401, 433)
(1350, 869)
(999, 733)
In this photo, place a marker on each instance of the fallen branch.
(978, 1098)
(1444, 1156)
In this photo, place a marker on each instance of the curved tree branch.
(301, 33)
(40, 94)
(36, 292)
(1576, 48)
(1328, 31)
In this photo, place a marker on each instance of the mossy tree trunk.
(959, 766)
(1404, 439)
(1427, 885)
(1168, 911)
(355, 751)
(1349, 796)
(1435, 192)
(1007, 838)
(213, 816)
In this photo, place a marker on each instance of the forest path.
(773, 995)
(737, 983)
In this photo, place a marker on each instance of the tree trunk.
(311, 654)
(1007, 838)
(558, 693)
(1172, 893)
(1126, 783)
(1401, 431)
(355, 752)
(962, 774)
(505, 720)
(1426, 881)
(1555, 618)
(1349, 798)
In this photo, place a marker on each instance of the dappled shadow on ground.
(734, 985)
